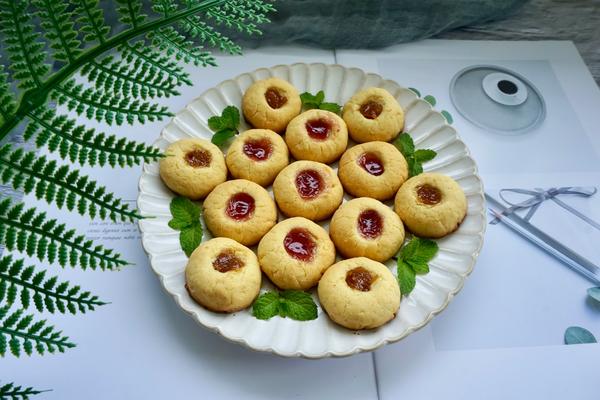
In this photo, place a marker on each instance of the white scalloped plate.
(320, 337)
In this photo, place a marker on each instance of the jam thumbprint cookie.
(359, 293)
(223, 276)
(308, 189)
(366, 227)
(374, 169)
(431, 205)
(373, 114)
(271, 104)
(240, 210)
(192, 168)
(317, 135)
(295, 253)
(257, 155)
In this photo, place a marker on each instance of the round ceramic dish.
(320, 337)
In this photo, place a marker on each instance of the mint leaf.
(298, 305)
(578, 335)
(423, 155)
(405, 144)
(331, 107)
(414, 167)
(414, 259)
(190, 238)
(222, 136)
(266, 306)
(406, 278)
(186, 218)
(310, 101)
(294, 304)
(594, 293)
(184, 212)
(225, 126)
(231, 117)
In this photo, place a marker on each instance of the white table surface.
(500, 338)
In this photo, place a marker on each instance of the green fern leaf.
(58, 241)
(58, 26)
(121, 78)
(91, 21)
(234, 16)
(249, 10)
(28, 286)
(22, 333)
(25, 51)
(7, 101)
(130, 12)
(164, 7)
(81, 192)
(12, 392)
(139, 53)
(174, 44)
(79, 144)
(110, 108)
(195, 27)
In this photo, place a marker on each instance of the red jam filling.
(309, 184)
(274, 98)
(360, 279)
(371, 163)
(258, 149)
(198, 158)
(240, 206)
(227, 261)
(299, 244)
(371, 109)
(429, 195)
(370, 224)
(318, 129)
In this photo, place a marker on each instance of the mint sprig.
(186, 219)
(294, 304)
(414, 158)
(311, 101)
(224, 126)
(414, 260)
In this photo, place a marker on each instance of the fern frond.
(58, 28)
(125, 80)
(195, 27)
(175, 44)
(77, 143)
(32, 233)
(7, 101)
(20, 333)
(238, 19)
(102, 106)
(249, 10)
(140, 53)
(91, 21)
(27, 284)
(130, 12)
(25, 51)
(164, 7)
(13, 392)
(60, 185)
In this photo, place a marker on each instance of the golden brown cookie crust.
(385, 127)
(246, 231)
(345, 231)
(286, 271)
(357, 309)
(228, 291)
(431, 220)
(260, 114)
(360, 183)
(264, 171)
(194, 182)
(322, 149)
(292, 204)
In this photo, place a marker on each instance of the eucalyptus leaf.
(578, 335)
